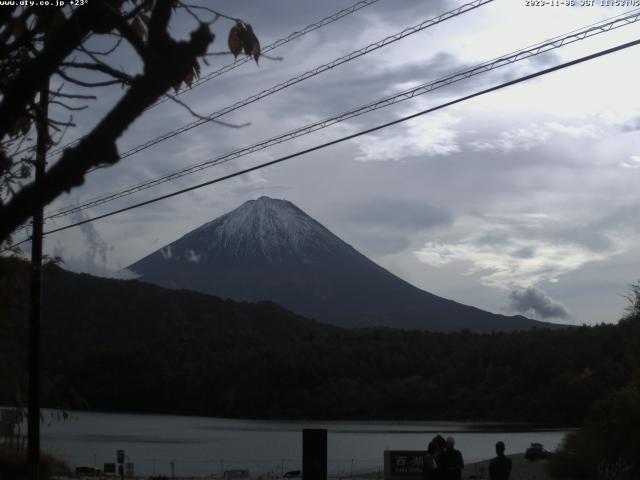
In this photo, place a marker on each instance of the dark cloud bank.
(533, 301)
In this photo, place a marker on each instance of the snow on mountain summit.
(269, 249)
(270, 228)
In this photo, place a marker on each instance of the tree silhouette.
(42, 43)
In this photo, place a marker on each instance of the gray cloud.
(397, 213)
(589, 234)
(380, 82)
(493, 237)
(94, 258)
(524, 252)
(631, 125)
(376, 242)
(382, 226)
(268, 22)
(96, 246)
(83, 264)
(533, 301)
(548, 211)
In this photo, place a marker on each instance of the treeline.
(607, 446)
(535, 376)
(127, 346)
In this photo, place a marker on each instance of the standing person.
(429, 465)
(441, 443)
(500, 467)
(450, 463)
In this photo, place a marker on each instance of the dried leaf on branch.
(242, 38)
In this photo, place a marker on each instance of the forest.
(116, 345)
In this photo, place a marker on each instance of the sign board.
(9, 415)
(86, 471)
(237, 473)
(109, 468)
(6, 429)
(130, 469)
(403, 464)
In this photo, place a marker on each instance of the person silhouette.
(450, 463)
(500, 466)
(429, 465)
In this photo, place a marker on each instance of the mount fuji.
(269, 249)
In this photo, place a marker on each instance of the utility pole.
(35, 296)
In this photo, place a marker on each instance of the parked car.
(87, 471)
(238, 473)
(536, 452)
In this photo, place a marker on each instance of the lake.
(202, 446)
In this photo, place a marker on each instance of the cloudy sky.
(520, 201)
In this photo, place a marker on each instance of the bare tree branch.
(60, 44)
(74, 95)
(207, 9)
(134, 12)
(6, 34)
(130, 35)
(82, 83)
(202, 117)
(168, 65)
(68, 107)
(5, 13)
(100, 67)
(55, 143)
(103, 53)
(53, 123)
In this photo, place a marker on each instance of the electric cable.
(504, 60)
(500, 86)
(304, 76)
(244, 59)
(309, 74)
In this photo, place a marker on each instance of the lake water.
(202, 446)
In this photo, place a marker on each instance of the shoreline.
(471, 425)
(522, 469)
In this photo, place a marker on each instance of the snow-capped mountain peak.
(269, 249)
(270, 228)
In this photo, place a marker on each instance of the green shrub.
(608, 445)
(13, 465)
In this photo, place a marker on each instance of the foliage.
(189, 353)
(633, 310)
(51, 50)
(241, 37)
(13, 466)
(608, 445)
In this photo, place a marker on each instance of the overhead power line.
(244, 59)
(278, 43)
(295, 80)
(306, 75)
(385, 102)
(350, 137)
(309, 74)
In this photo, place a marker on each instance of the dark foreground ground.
(522, 469)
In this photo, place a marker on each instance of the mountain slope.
(83, 311)
(269, 249)
(116, 345)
